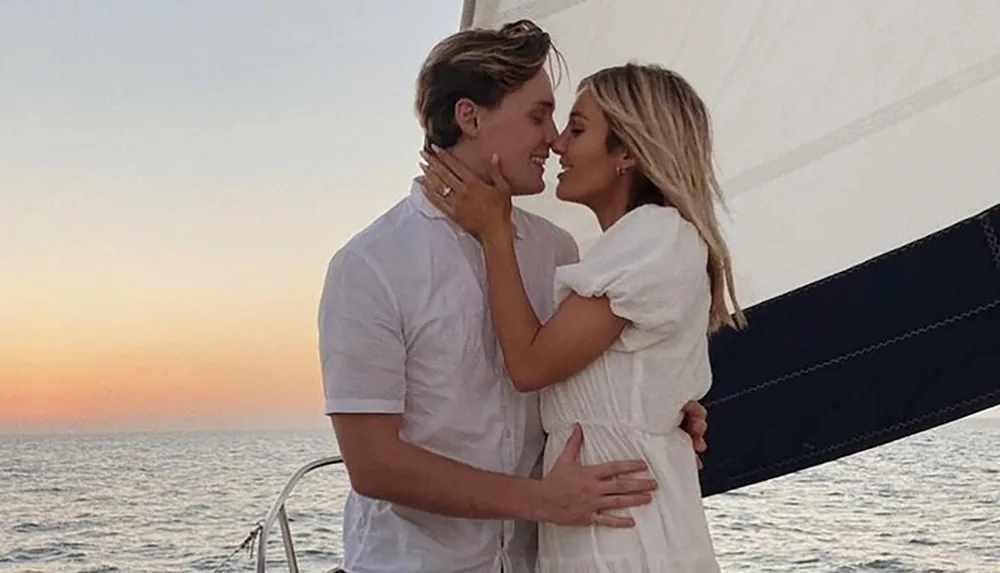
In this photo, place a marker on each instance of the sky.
(174, 177)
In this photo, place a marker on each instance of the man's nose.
(551, 133)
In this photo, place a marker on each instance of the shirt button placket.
(507, 449)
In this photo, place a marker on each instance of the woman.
(627, 346)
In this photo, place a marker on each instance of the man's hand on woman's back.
(574, 494)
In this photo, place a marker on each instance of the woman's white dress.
(652, 265)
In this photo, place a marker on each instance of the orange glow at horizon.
(138, 358)
(149, 388)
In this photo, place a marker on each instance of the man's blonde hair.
(480, 64)
(659, 119)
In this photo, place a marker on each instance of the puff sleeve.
(652, 266)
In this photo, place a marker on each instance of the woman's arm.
(536, 355)
(539, 355)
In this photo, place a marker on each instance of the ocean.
(183, 502)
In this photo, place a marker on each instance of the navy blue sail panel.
(897, 345)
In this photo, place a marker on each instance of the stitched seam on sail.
(538, 9)
(869, 262)
(862, 352)
(883, 118)
(869, 435)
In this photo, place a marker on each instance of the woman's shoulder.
(658, 231)
(651, 264)
(638, 222)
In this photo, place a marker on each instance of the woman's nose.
(559, 145)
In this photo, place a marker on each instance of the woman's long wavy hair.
(664, 125)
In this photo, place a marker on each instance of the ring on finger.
(446, 191)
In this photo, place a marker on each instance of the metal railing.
(279, 514)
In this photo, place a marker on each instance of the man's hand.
(574, 494)
(695, 423)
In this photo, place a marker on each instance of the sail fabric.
(856, 149)
(842, 129)
(900, 344)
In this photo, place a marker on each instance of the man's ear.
(467, 117)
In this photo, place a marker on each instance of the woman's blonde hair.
(664, 125)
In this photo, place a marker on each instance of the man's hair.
(479, 64)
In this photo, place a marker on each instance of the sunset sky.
(174, 177)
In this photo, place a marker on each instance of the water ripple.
(171, 503)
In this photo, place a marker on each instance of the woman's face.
(589, 170)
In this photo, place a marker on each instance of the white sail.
(843, 129)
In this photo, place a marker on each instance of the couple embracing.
(501, 403)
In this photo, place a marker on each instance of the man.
(442, 452)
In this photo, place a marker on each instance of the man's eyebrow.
(546, 103)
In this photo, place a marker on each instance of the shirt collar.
(429, 210)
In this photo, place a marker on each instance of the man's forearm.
(414, 477)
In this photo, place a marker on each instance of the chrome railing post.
(286, 538)
(279, 514)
